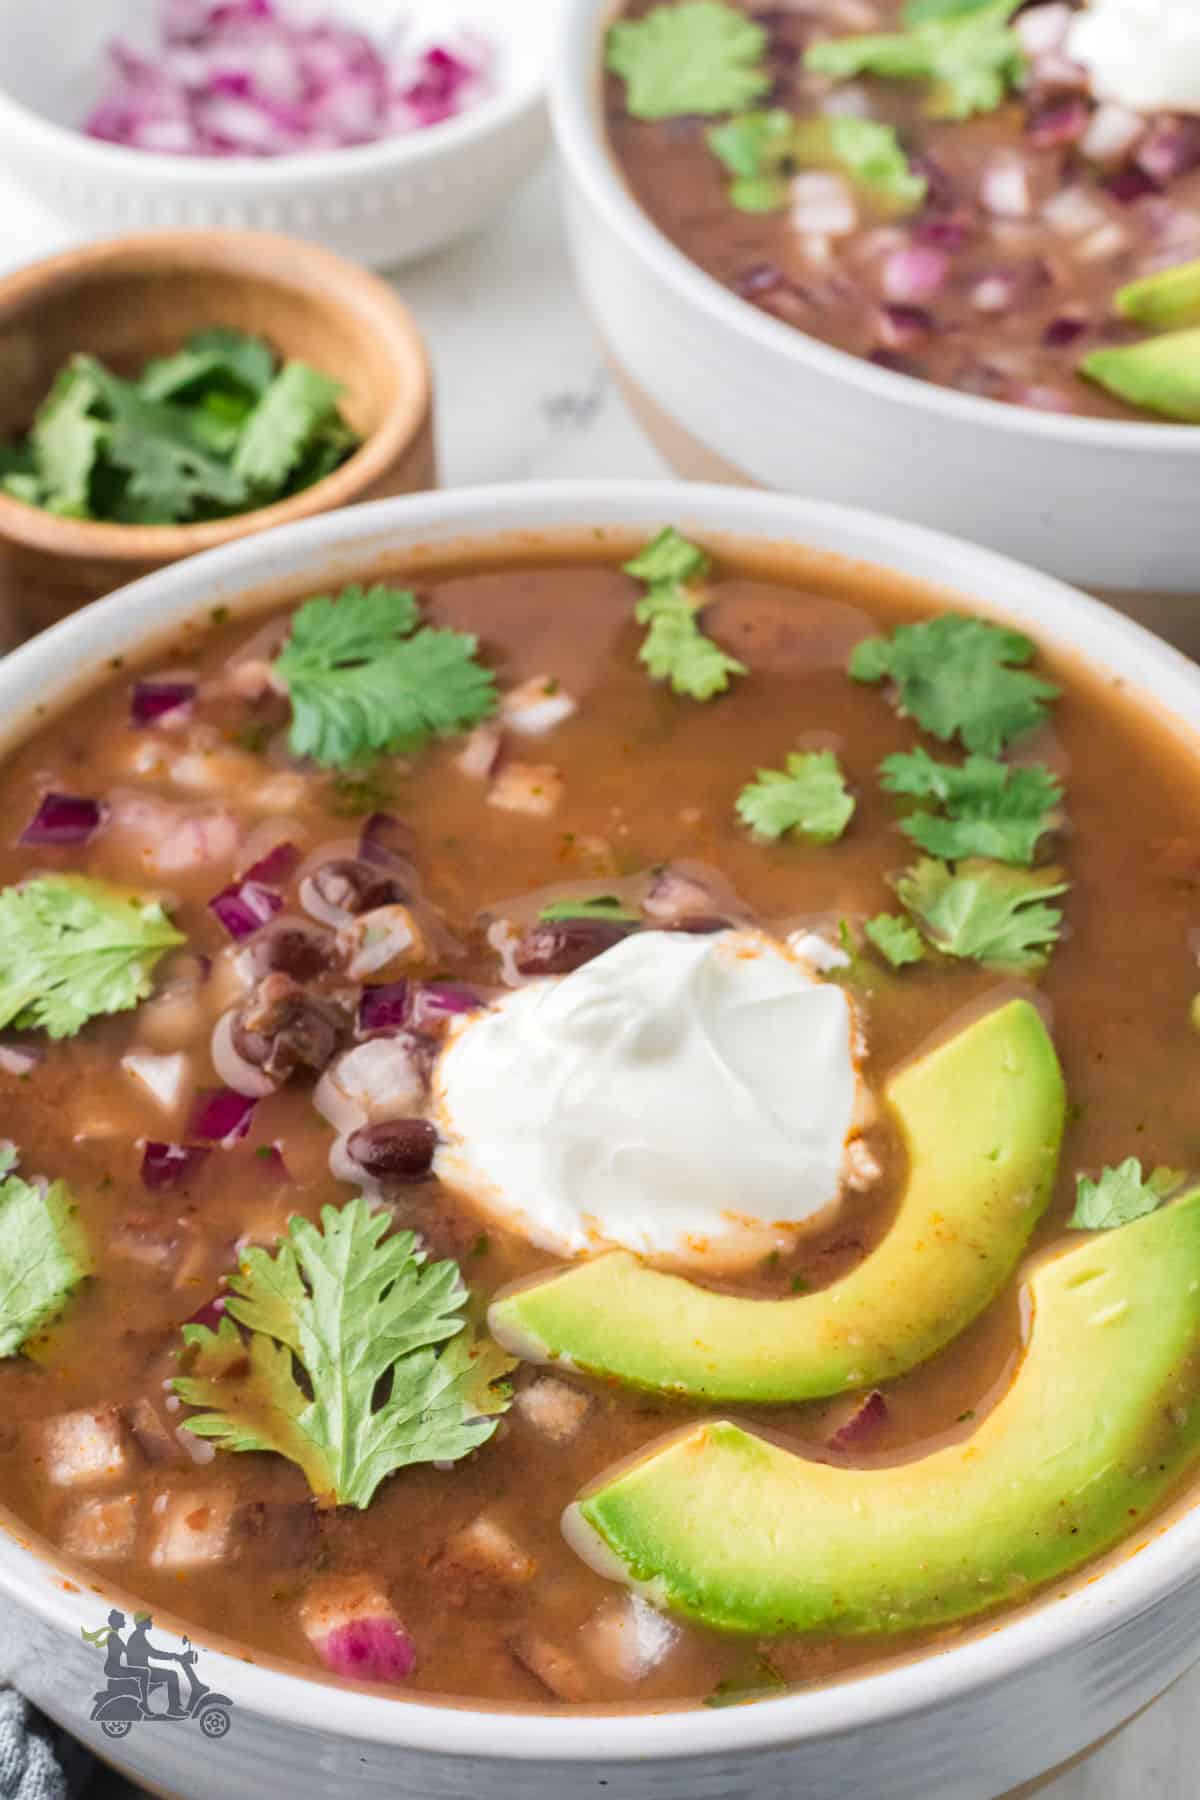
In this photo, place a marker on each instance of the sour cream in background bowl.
(729, 393)
(384, 203)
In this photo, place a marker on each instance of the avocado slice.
(1101, 1420)
(1162, 374)
(982, 1118)
(1163, 302)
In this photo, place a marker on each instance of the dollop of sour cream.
(686, 1097)
(1142, 54)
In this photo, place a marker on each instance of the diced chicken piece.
(385, 1078)
(355, 1630)
(102, 1530)
(534, 788)
(537, 706)
(480, 755)
(389, 934)
(553, 1408)
(193, 1527)
(152, 1437)
(628, 1637)
(557, 1670)
(484, 1551)
(198, 838)
(167, 1078)
(84, 1449)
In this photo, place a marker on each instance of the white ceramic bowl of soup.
(383, 203)
(990, 1712)
(730, 393)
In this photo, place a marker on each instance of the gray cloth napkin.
(40, 1762)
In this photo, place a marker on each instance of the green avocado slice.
(1162, 374)
(1164, 301)
(1101, 1420)
(982, 1118)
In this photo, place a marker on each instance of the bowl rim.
(590, 163)
(137, 617)
(511, 102)
(346, 287)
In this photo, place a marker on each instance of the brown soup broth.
(1023, 300)
(647, 779)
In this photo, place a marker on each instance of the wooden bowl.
(138, 297)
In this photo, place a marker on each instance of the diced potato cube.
(556, 1669)
(485, 1551)
(338, 1600)
(537, 706)
(627, 1638)
(102, 1530)
(534, 788)
(84, 1449)
(354, 1629)
(553, 1408)
(192, 1527)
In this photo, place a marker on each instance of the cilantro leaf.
(297, 405)
(170, 472)
(806, 799)
(985, 912)
(895, 939)
(363, 679)
(1121, 1195)
(363, 1314)
(969, 52)
(870, 152)
(600, 906)
(761, 148)
(700, 56)
(72, 949)
(43, 1256)
(995, 811)
(215, 358)
(756, 148)
(66, 441)
(960, 674)
(675, 649)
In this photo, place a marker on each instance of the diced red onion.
(166, 1165)
(1170, 148)
(19, 1059)
(436, 1001)
(997, 292)
(1057, 122)
(155, 700)
(245, 907)
(1055, 72)
(1129, 185)
(247, 79)
(369, 1650)
(1112, 132)
(211, 1313)
(913, 275)
(944, 231)
(1042, 29)
(221, 1116)
(384, 1008)
(862, 1425)
(275, 867)
(1063, 331)
(63, 819)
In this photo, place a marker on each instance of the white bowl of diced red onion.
(730, 392)
(383, 129)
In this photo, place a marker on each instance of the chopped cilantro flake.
(985, 912)
(896, 939)
(1122, 1195)
(698, 56)
(969, 52)
(956, 674)
(674, 648)
(993, 811)
(807, 799)
(601, 906)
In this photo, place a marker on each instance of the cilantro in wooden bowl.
(165, 394)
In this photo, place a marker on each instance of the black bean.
(357, 886)
(701, 924)
(397, 1148)
(557, 946)
(293, 949)
(282, 1028)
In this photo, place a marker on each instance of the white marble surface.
(523, 394)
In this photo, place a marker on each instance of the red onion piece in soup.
(434, 1002)
(1170, 148)
(275, 867)
(155, 700)
(63, 819)
(210, 1314)
(862, 1424)
(914, 274)
(1042, 29)
(1129, 185)
(1057, 122)
(245, 907)
(166, 1165)
(1063, 331)
(221, 1117)
(369, 1650)
(385, 1008)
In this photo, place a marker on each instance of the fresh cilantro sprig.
(44, 1256)
(897, 940)
(1121, 1195)
(969, 52)
(993, 811)
(762, 149)
(984, 912)
(392, 1372)
(364, 676)
(808, 799)
(960, 675)
(598, 906)
(674, 648)
(699, 56)
(72, 949)
(217, 428)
